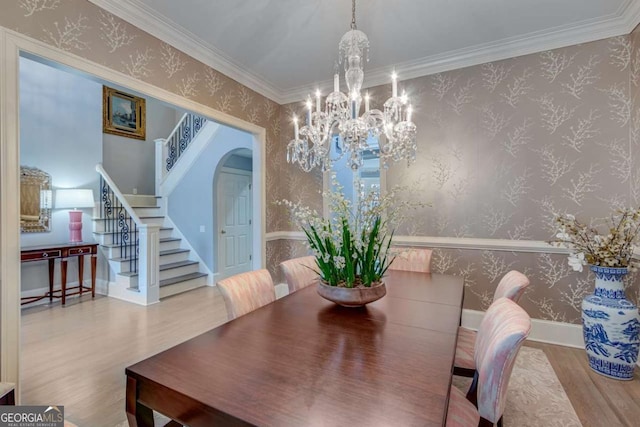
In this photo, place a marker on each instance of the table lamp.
(74, 198)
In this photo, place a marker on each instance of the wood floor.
(75, 356)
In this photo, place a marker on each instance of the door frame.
(12, 46)
(219, 217)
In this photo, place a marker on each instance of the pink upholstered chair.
(504, 328)
(246, 292)
(511, 286)
(300, 272)
(412, 259)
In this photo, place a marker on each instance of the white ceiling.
(284, 49)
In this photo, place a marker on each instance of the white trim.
(559, 333)
(534, 246)
(9, 213)
(148, 20)
(11, 45)
(623, 21)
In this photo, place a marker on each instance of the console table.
(62, 251)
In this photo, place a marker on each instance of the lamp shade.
(74, 198)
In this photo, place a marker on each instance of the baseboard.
(559, 333)
(101, 289)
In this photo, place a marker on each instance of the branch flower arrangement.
(353, 247)
(611, 248)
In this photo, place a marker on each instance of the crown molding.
(619, 23)
(146, 19)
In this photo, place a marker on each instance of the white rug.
(535, 397)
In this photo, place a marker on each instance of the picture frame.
(123, 114)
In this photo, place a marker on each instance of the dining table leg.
(138, 415)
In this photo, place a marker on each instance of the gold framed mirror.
(36, 199)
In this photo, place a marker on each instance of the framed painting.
(123, 114)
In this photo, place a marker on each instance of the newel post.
(160, 156)
(149, 262)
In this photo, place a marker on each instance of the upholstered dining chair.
(502, 331)
(246, 292)
(300, 272)
(412, 259)
(512, 286)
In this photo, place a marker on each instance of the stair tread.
(117, 245)
(177, 264)
(101, 233)
(151, 217)
(162, 267)
(169, 239)
(144, 207)
(183, 278)
(173, 251)
(121, 259)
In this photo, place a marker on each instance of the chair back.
(502, 331)
(512, 286)
(413, 259)
(246, 292)
(300, 272)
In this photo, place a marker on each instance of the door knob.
(223, 232)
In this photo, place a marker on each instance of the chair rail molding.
(530, 246)
(12, 45)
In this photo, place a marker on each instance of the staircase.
(178, 272)
(148, 255)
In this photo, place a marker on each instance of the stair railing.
(120, 220)
(169, 150)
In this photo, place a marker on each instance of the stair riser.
(153, 221)
(111, 239)
(166, 259)
(120, 266)
(179, 271)
(115, 252)
(141, 200)
(185, 286)
(173, 244)
(150, 211)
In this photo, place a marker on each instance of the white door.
(234, 223)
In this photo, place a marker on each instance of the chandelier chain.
(353, 14)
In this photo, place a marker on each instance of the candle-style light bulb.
(394, 84)
(366, 102)
(336, 82)
(309, 106)
(409, 111)
(318, 100)
(354, 97)
(404, 97)
(295, 127)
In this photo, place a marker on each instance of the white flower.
(576, 261)
(563, 236)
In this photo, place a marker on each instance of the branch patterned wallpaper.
(502, 146)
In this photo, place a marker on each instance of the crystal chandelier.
(392, 127)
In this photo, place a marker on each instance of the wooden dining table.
(305, 361)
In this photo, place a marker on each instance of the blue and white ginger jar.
(611, 326)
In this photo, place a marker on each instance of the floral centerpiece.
(352, 246)
(611, 323)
